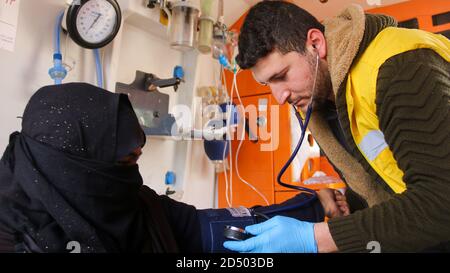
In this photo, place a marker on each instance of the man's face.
(291, 78)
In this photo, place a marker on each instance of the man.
(381, 105)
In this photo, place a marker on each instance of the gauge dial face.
(96, 21)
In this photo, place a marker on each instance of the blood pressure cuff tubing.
(213, 221)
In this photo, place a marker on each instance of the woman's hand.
(334, 203)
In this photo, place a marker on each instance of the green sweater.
(413, 107)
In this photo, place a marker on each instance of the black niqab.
(59, 181)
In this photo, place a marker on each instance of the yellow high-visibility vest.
(361, 95)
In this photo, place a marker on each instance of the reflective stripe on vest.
(361, 95)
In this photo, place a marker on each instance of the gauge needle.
(95, 21)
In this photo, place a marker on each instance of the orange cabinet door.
(281, 196)
(255, 159)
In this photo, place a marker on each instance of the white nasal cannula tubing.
(228, 124)
(228, 144)
(222, 74)
(240, 145)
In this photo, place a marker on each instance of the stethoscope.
(303, 126)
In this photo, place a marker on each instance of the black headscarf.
(59, 180)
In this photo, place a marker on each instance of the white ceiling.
(318, 9)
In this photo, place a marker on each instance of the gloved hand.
(277, 235)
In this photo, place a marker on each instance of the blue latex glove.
(277, 235)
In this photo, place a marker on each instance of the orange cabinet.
(281, 196)
(430, 15)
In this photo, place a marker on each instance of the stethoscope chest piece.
(235, 233)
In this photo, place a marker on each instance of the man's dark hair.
(273, 25)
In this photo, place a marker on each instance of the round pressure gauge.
(93, 23)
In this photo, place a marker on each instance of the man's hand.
(277, 235)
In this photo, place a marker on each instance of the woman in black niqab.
(60, 180)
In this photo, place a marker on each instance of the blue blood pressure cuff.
(304, 207)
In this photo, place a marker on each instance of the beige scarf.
(344, 34)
